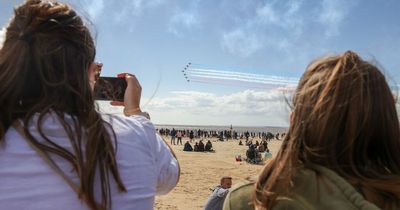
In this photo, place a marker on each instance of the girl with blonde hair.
(342, 148)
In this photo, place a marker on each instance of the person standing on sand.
(173, 135)
(216, 200)
(191, 136)
(179, 137)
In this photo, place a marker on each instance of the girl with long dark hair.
(57, 151)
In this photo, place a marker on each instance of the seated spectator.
(261, 148)
(187, 147)
(216, 200)
(249, 142)
(240, 142)
(196, 147)
(201, 146)
(265, 145)
(251, 154)
(221, 136)
(208, 147)
(258, 157)
(267, 154)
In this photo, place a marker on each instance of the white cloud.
(155, 3)
(294, 6)
(182, 21)
(126, 9)
(247, 107)
(267, 14)
(241, 42)
(120, 11)
(332, 14)
(94, 7)
(282, 26)
(2, 36)
(275, 24)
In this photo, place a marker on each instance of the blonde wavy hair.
(344, 118)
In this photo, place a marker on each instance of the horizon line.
(228, 126)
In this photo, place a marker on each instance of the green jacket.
(315, 188)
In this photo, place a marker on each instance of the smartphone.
(110, 89)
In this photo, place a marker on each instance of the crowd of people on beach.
(223, 135)
(256, 153)
(58, 151)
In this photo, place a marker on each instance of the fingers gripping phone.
(110, 89)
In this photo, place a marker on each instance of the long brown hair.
(344, 118)
(43, 70)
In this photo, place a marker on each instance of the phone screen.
(110, 89)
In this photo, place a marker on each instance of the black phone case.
(110, 89)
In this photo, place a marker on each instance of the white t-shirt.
(145, 163)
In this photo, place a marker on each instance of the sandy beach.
(201, 171)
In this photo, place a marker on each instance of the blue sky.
(155, 39)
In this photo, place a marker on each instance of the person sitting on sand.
(221, 136)
(196, 147)
(240, 142)
(201, 146)
(216, 200)
(265, 143)
(251, 154)
(208, 147)
(261, 148)
(249, 142)
(342, 147)
(187, 147)
(277, 136)
(267, 154)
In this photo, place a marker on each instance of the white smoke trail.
(232, 83)
(233, 78)
(264, 79)
(240, 74)
(237, 78)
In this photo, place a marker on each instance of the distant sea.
(239, 129)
